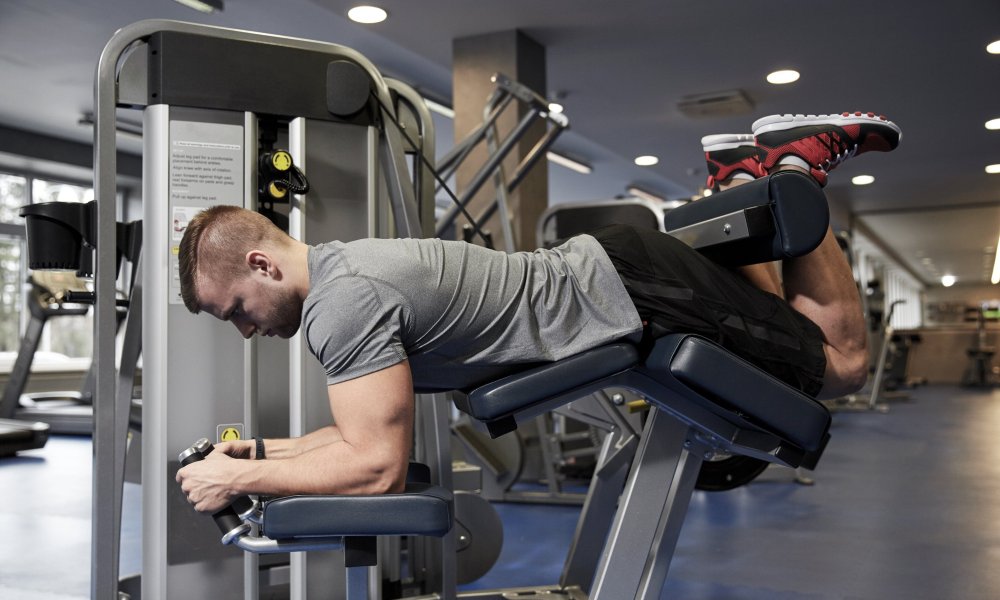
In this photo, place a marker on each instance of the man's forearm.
(331, 468)
(291, 447)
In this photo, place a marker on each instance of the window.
(49, 191)
(11, 293)
(13, 195)
(72, 336)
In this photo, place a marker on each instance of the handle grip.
(227, 519)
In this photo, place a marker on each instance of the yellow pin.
(281, 160)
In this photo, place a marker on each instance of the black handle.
(228, 519)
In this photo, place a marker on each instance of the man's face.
(254, 304)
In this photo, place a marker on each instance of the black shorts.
(677, 290)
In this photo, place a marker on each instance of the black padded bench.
(703, 399)
(727, 397)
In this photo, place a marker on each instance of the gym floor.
(905, 505)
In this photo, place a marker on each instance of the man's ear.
(260, 262)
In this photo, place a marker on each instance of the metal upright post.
(109, 447)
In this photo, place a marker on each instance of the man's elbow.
(388, 478)
(856, 375)
(845, 374)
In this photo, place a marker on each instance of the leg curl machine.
(703, 399)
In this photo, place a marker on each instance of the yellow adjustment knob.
(281, 160)
(637, 406)
(277, 192)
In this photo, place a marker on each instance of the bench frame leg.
(596, 517)
(648, 522)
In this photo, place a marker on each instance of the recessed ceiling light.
(862, 179)
(638, 192)
(994, 47)
(367, 14)
(993, 169)
(205, 6)
(947, 280)
(782, 77)
(646, 160)
(993, 124)
(569, 163)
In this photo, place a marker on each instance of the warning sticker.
(229, 432)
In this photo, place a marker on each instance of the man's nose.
(245, 328)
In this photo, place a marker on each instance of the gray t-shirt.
(460, 313)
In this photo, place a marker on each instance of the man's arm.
(374, 416)
(282, 447)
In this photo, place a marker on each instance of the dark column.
(475, 60)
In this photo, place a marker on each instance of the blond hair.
(215, 243)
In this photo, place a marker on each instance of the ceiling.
(620, 69)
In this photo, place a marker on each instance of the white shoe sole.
(782, 122)
(726, 141)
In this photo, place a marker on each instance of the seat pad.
(421, 509)
(720, 377)
(515, 392)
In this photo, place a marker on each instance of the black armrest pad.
(797, 206)
(520, 390)
(422, 509)
(737, 386)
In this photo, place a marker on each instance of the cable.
(433, 170)
(301, 187)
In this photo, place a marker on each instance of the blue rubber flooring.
(905, 505)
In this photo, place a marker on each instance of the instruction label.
(206, 168)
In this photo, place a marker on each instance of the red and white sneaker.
(821, 142)
(731, 156)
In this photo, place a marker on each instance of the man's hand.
(208, 483)
(237, 449)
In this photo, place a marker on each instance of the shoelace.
(843, 152)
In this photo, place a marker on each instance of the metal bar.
(500, 199)
(21, 372)
(647, 523)
(297, 220)
(457, 155)
(109, 458)
(251, 563)
(485, 171)
(401, 196)
(597, 513)
(154, 411)
(450, 161)
(539, 150)
(437, 561)
(423, 169)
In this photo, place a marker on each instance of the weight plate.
(478, 536)
(728, 472)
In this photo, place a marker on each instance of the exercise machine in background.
(535, 110)
(980, 371)
(17, 436)
(51, 295)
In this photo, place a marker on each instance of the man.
(385, 315)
